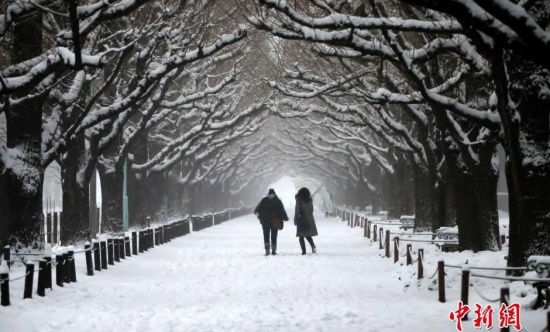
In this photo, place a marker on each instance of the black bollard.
(465, 288)
(396, 249)
(134, 243)
(29, 278)
(441, 280)
(103, 245)
(140, 244)
(4, 285)
(41, 283)
(127, 246)
(388, 254)
(66, 268)
(97, 256)
(420, 262)
(116, 249)
(59, 270)
(161, 235)
(121, 247)
(72, 266)
(48, 276)
(504, 299)
(409, 256)
(110, 259)
(89, 263)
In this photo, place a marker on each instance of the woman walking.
(303, 219)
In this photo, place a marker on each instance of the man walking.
(269, 209)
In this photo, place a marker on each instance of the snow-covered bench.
(406, 222)
(448, 233)
(539, 267)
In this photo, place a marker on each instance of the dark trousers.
(303, 243)
(267, 229)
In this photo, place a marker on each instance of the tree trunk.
(476, 203)
(24, 176)
(429, 201)
(111, 192)
(75, 223)
(527, 151)
(400, 189)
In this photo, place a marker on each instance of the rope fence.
(374, 232)
(105, 251)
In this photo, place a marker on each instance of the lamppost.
(125, 197)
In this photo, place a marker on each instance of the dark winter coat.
(270, 207)
(305, 207)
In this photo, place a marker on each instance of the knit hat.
(271, 191)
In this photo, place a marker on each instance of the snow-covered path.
(218, 279)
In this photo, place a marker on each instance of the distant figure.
(303, 213)
(269, 208)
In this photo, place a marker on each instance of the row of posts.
(377, 235)
(104, 252)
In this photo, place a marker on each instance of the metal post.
(409, 255)
(59, 270)
(110, 258)
(89, 264)
(4, 284)
(116, 249)
(48, 274)
(368, 229)
(396, 249)
(27, 291)
(464, 288)
(66, 268)
(97, 256)
(103, 255)
(441, 280)
(127, 246)
(72, 266)
(374, 233)
(381, 231)
(125, 197)
(504, 297)
(121, 247)
(388, 254)
(41, 286)
(140, 244)
(420, 262)
(134, 243)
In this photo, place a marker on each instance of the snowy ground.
(218, 279)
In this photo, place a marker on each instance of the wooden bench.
(539, 267)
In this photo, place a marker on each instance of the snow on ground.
(218, 279)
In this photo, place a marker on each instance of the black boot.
(314, 249)
(274, 252)
(267, 251)
(302, 245)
